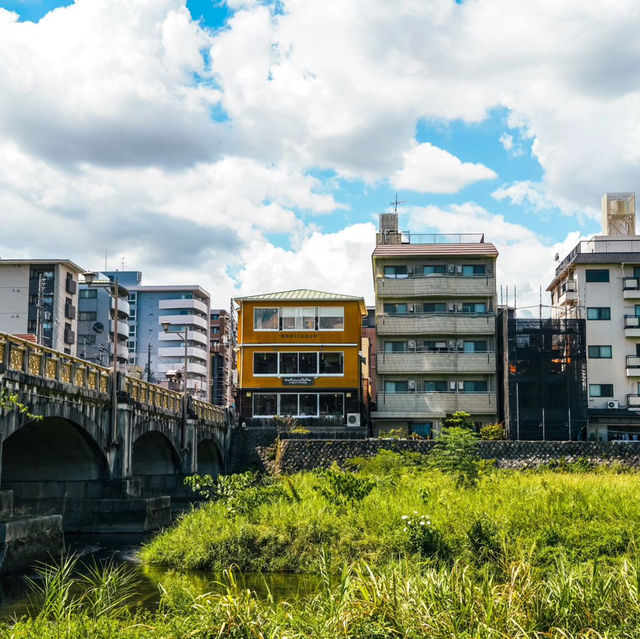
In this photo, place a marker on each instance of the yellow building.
(299, 356)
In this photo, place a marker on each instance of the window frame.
(599, 386)
(592, 272)
(590, 352)
(599, 310)
(266, 308)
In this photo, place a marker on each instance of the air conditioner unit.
(460, 386)
(459, 269)
(353, 419)
(460, 344)
(411, 384)
(452, 345)
(460, 307)
(451, 308)
(441, 345)
(612, 403)
(453, 386)
(409, 270)
(451, 268)
(411, 344)
(411, 308)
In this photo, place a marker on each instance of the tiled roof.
(409, 250)
(301, 295)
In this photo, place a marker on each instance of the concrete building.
(223, 357)
(299, 356)
(599, 281)
(40, 298)
(96, 323)
(160, 355)
(435, 327)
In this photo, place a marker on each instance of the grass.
(533, 516)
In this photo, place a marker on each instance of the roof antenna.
(395, 203)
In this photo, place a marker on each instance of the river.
(123, 549)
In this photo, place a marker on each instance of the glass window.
(265, 363)
(396, 387)
(265, 404)
(88, 293)
(86, 339)
(309, 404)
(600, 352)
(598, 313)
(434, 269)
(395, 309)
(87, 316)
(423, 429)
(288, 404)
(479, 346)
(308, 363)
(437, 307)
(435, 386)
(331, 363)
(469, 270)
(475, 386)
(288, 363)
(295, 318)
(331, 318)
(600, 390)
(597, 274)
(395, 271)
(474, 307)
(265, 319)
(395, 347)
(331, 404)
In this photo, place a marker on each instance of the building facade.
(299, 356)
(96, 323)
(160, 355)
(599, 281)
(435, 327)
(223, 357)
(40, 298)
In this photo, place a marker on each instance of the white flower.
(408, 522)
(415, 512)
(405, 516)
(422, 523)
(405, 530)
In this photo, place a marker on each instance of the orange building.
(299, 356)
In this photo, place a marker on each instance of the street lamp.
(165, 328)
(111, 286)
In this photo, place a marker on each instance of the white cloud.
(429, 169)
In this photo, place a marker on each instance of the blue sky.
(248, 146)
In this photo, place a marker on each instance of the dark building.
(544, 371)
(222, 357)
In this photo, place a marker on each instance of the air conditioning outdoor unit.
(459, 269)
(452, 345)
(460, 344)
(411, 344)
(353, 419)
(453, 386)
(612, 403)
(411, 384)
(451, 308)
(451, 268)
(411, 308)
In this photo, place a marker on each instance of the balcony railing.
(406, 237)
(71, 286)
(436, 324)
(69, 311)
(632, 321)
(69, 336)
(633, 402)
(594, 245)
(434, 404)
(436, 285)
(431, 362)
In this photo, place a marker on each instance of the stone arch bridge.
(102, 467)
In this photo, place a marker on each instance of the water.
(123, 548)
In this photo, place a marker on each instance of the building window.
(434, 386)
(298, 404)
(215, 316)
(265, 404)
(471, 270)
(265, 363)
(437, 307)
(395, 347)
(598, 313)
(395, 309)
(395, 272)
(475, 386)
(479, 346)
(87, 316)
(298, 318)
(86, 339)
(597, 274)
(423, 429)
(331, 404)
(31, 326)
(600, 352)
(265, 319)
(600, 390)
(396, 387)
(434, 269)
(215, 330)
(331, 363)
(331, 318)
(474, 307)
(88, 293)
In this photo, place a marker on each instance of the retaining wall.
(295, 455)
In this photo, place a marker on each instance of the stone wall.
(295, 455)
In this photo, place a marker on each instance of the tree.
(456, 451)
(460, 419)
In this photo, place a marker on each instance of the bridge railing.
(26, 357)
(209, 412)
(153, 395)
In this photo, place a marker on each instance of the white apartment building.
(435, 328)
(599, 281)
(39, 298)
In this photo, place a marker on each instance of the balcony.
(631, 288)
(418, 405)
(192, 336)
(456, 362)
(69, 311)
(195, 369)
(184, 319)
(632, 326)
(178, 351)
(195, 304)
(633, 402)
(69, 336)
(633, 366)
(568, 292)
(123, 328)
(441, 285)
(124, 310)
(432, 324)
(71, 286)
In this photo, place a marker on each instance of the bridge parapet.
(153, 395)
(26, 357)
(208, 412)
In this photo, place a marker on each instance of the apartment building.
(435, 326)
(159, 354)
(97, 323)
(223, 357)
(40, 298)
(599, 281)
(299, 356)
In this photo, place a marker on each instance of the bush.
(339, 487)
(456, 452)
(492, 432)
(423, 538)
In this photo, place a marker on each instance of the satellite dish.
(557, 257)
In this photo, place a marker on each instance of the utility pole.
(40, 310)
(149, 362)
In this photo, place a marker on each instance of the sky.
(249, 146)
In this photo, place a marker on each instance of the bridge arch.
(208, 458)
(49, 461)
(156, 464)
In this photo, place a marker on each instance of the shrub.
(393, 433)
(456, 452)
(484, 540)
(423, 538)
(492, 432)
(339, 487)
(459, 419)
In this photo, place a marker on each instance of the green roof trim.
(300, 295)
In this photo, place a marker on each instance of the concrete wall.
(304, 454)
(14, 298)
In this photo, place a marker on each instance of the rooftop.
(68, 263)
(300, 295)
(457, 248)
